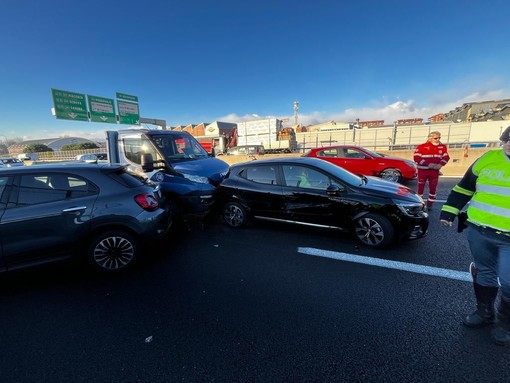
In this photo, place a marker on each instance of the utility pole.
(354, 127)
(296, 107)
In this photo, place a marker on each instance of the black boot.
(484, 314)
(501, 333)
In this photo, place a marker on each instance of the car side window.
(351, 153)
(135, 146)
(341, 153)
(262, 174)
(43, 188)
(291, 175)
(329, 153)
(3, 182)
(304, 177)
(73, 186)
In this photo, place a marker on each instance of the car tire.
(112, 251)
(391, 174)
(235, 214)
(374, 230)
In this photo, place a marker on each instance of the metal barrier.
(406, 137)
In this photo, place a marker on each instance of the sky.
(196, 61)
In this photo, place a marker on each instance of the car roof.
(283, 160)
(339, 146)
(61, 166)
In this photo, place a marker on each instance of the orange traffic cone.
(466, 148)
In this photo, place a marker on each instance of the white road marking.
(420, 269)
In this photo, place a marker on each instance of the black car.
(103, 213)
(317, 193)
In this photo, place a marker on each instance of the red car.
(359, 161)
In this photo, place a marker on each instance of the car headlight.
(411, 209)
(410, 163)
(197, 179)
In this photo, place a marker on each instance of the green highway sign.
(126, 97)
(101, 109)
(69, 105)
(127, 106)
(128, 113)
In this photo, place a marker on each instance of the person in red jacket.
(430, 157)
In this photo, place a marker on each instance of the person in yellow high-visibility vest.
(486, 186)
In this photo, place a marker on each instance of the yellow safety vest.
(490, 205)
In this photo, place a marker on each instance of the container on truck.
(269, 133)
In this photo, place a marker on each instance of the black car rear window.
(261, 174)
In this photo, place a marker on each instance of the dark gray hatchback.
(51, 212)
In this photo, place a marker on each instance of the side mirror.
(147, 162)
(333, 190)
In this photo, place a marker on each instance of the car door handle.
(74, 209)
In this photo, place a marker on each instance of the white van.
(246, 150)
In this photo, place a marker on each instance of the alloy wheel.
(374, 230)
(113, 253)
(392, 175)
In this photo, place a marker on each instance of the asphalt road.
(262, 304)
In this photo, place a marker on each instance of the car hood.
(210, 167)
(378, 187)
(391, 158)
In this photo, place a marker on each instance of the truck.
(217, 145)
(269, 133)
(187, 175)
(219, 137)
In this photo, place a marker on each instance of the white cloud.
(398, 109)
(387, 111)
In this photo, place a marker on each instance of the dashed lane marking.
(411, 267)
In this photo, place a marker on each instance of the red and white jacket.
(428, 153)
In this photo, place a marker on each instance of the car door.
(261, 190)
(312, 204)
(337, 156)
(358, 162)
(45, 217)
(5, 180)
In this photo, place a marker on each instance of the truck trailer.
(269, 133)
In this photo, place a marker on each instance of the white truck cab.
(187, 174)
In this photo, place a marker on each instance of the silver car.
(246, 150)
(9, 162)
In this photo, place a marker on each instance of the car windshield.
(374, 154)
(179, 147)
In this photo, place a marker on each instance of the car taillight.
(147, 201)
